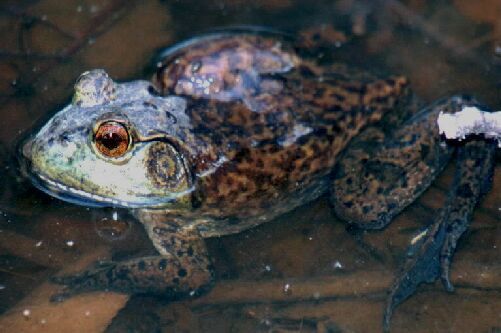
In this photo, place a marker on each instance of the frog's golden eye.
(112, 139)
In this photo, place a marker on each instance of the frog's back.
(267, 124)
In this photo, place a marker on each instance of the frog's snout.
(27, 148)
(25, 156)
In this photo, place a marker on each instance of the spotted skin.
(381, 173)
(281, 123)
(238, 128)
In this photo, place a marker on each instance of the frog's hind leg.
(379, 176)
(381, 172)
(181, 268)
(475, 166)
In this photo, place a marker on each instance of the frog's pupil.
(111, 140)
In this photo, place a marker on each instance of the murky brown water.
(303, 272)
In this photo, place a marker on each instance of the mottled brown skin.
(268, 129)
(260, 92)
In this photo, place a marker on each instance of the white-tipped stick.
(470, 120)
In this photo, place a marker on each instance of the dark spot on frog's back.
(182, 272)
(162, 264)
(425, 151)
(465, 191)
(306, 72)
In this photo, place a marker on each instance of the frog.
(236, 128)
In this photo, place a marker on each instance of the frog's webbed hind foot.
(162, 275)
(435, 247)
(181, 268)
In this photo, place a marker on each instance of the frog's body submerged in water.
(237, 129)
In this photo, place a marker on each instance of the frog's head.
(115, 144)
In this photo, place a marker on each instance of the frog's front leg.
(182, 266)
(380, 175)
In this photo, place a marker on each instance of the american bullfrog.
(236, 128)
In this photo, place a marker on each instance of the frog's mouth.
(82, 198)
(67, 193)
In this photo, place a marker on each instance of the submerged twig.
(445, 41)
(97, 25)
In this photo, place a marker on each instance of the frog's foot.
(181, 268)
(434, 248)
(163, 275)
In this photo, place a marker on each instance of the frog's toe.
(423, 266)
(448, 249)
(88, 280)
(433, 250)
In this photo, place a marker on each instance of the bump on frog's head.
(116, 144)
(94, 87)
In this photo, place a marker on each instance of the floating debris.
(470, 120)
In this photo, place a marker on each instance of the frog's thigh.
(380, 174)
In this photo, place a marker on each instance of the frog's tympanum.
(236, 129)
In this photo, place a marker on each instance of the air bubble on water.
(43, 321)
(267, 268)
(26, 312)
(287, 288)
(337, 265)
(497, 49)
(39, 243)
(70, 243)
(87, 313)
